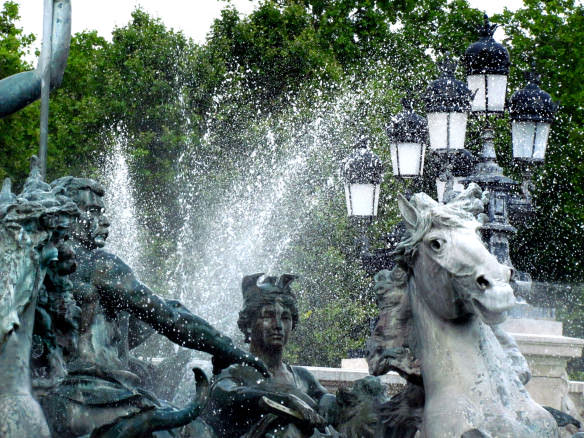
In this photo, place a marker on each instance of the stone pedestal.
(547, 353)
(547, 357)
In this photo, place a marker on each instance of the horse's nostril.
(483, 282)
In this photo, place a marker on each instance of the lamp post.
(448, 103)
(363, 172)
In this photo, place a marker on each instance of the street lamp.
(487, 65)
(448, 102)
(447, 105)
(532, 111)
(408, 133)
(362, 172)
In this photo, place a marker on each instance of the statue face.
(272, 327)
(92, 226)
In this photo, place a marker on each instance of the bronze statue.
(32, 229)
(291, 402)
(23, 88)
(99, 387)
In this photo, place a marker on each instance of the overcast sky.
(193, 17)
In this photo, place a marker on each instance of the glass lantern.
(532, 112)
(362, 172)
(447, 105)
(487, 64)
(407, 134)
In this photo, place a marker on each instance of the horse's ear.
(408, 211)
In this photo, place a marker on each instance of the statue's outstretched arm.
(118, 283)
(21, 89)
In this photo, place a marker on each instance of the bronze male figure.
(99, 387)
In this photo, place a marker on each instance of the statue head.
(269, 311)
(91, 228)
(33, 234)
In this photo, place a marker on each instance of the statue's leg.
(69, 419)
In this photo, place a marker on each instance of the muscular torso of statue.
(103, 329)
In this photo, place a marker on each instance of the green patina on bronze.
(21, 89)
(101, 389)
(32, 229)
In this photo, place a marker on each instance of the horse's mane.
(429, 213)
(394, 328)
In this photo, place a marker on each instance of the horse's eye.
(436, 244)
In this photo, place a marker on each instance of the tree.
(548, 34)
(18, 137)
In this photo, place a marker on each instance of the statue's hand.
(233, 355)
(309, 415)
(203, 386)
(329, 432)
(291, 407)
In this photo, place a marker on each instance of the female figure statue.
(291, 403)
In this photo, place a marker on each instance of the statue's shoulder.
(303, 373)
(101, 255)
(102, 259)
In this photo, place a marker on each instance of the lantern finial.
(447, 66)
(487, 30)
(408, 101)
(532, 76)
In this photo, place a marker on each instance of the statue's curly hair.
(69, 185)
(256, 295)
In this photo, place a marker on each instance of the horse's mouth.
(489, 316)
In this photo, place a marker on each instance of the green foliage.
(355, 29)
(273, 51)
(18, 137)
(79, 112)
(549, 34)
(335, 296)
(146, 73)
(13, 43)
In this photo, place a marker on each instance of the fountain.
(90, 387)
(125, 237)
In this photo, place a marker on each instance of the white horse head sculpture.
(461, 277)
(436, 311)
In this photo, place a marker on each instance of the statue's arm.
(327, 402)
(118, 285)
(117, 282)
(21, 89)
